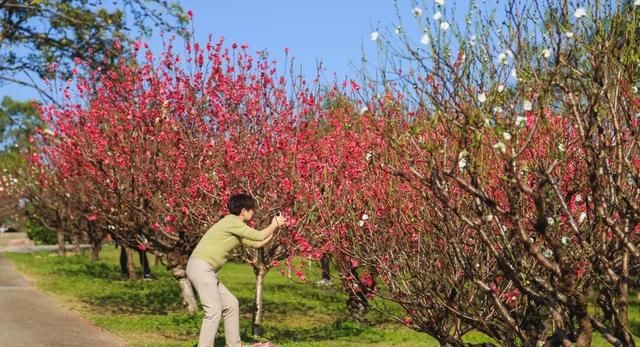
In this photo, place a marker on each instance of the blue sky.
(331, 31)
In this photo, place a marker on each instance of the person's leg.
(124, 270)
(144, 262)
(204, 279)
(231, 314)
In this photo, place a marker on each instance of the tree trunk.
(585, 332)
(622, 328)
(76, 244)
(358, 307)
(325, 264)
(95, 252)
(260, 270)
(61, 249)
(188, 297)
(131, 269)
(96, 241)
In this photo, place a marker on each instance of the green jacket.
(223, 237)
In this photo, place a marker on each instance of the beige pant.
(217, 302)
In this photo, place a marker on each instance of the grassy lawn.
(150, 314)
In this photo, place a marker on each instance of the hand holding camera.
(279, 219)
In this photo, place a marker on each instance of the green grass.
(150, 313)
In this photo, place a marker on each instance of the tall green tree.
(36, 35)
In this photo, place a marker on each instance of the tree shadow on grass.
(634, 317)
(339, 329)
(96, 270)
(139, 298)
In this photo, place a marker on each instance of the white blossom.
(462, 159)
(440, 2)
(550, 221)
(569, 34)
(425, 40)
(500, 88)
(565, 240)
(363, 109)
(580, 12)
(462, 163)
(506, 136)
(561, 147)
(482, 97)
(502, 58)
(368, 156)
(489, 122)
(548, 253)
(527, 105)
(437, 15)
(444, 26)
(398, 30)
(521, 121)
(501, 147)
(578, 198)
(365, 216)
(417, 11)
(582, 217)
(374, 36)
(546, 53)
(360, 223)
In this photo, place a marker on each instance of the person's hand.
(279, 220)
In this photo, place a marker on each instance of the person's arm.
(256, 244)
(246, 232)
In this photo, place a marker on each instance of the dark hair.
(239, 201)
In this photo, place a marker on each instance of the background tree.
(509, 182)
(39, 38)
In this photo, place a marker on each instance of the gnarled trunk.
(131, 269)
(186, 290)
(358, 307)
(61, 249)
(260, 270)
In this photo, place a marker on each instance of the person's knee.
(212, 313)
(234, 304)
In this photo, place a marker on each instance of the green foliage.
(39, 234)
(18, 120)
(43, 32)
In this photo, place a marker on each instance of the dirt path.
(30, 318)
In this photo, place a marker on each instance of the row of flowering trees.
(503, 197)
(148, 152)
(492, 189)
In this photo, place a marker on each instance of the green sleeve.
(250, 243)
(244, 231)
